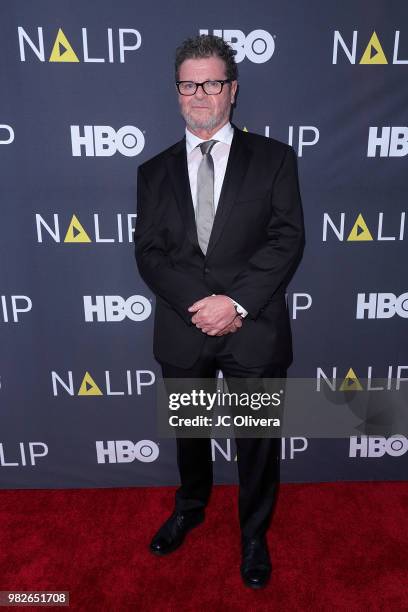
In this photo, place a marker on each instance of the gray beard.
(208, 125)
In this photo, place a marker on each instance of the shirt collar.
(225, 135)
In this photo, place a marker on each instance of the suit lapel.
(237, 166)
(178, 172)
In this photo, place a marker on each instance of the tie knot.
(207, 146)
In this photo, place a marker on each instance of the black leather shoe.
(172, 533)
(256, 565)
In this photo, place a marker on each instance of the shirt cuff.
(240, 309)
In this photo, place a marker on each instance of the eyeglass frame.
(222, 81)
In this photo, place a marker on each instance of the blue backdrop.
(87, 94)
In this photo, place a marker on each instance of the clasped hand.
(215, 315)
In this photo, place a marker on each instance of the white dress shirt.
(220, 153)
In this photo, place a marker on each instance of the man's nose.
(200, 93)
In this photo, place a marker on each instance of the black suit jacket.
(255, 245)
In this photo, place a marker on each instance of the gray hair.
(207, 45)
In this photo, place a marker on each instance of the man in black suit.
(219, 234)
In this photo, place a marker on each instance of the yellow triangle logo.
(89, 386)
(244, 129)
(360, 231)
(351, 382)
(374, 53)
(62, 50)
(75, 232)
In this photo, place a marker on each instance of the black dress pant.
(258, 458)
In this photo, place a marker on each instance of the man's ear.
(234, 88)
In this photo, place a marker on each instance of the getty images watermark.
(220, 408)
(210, 402)
(264, 408)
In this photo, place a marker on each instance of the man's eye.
(213, 83)
(189, 85)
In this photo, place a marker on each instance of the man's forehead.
(212, 67)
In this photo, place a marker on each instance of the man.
(219, 234)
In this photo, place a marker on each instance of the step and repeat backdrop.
(87, 94)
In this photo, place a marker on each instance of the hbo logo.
(104, 141)
(114, 308)
(382, 305)
(9, 134)
(389, 142)
(124, 451)
(377, 447)
(258, 46)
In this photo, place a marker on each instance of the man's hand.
(232, 328)
(213, 314)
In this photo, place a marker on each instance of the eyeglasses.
(211, 88)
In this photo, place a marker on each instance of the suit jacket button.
(206, 270)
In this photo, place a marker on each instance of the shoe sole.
(255, 586)
(160, 553)
(251, 585)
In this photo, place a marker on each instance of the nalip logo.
(62, 229)
(61, 50)
(373, 53)
(382, 227)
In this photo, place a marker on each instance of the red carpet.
(334, 547)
